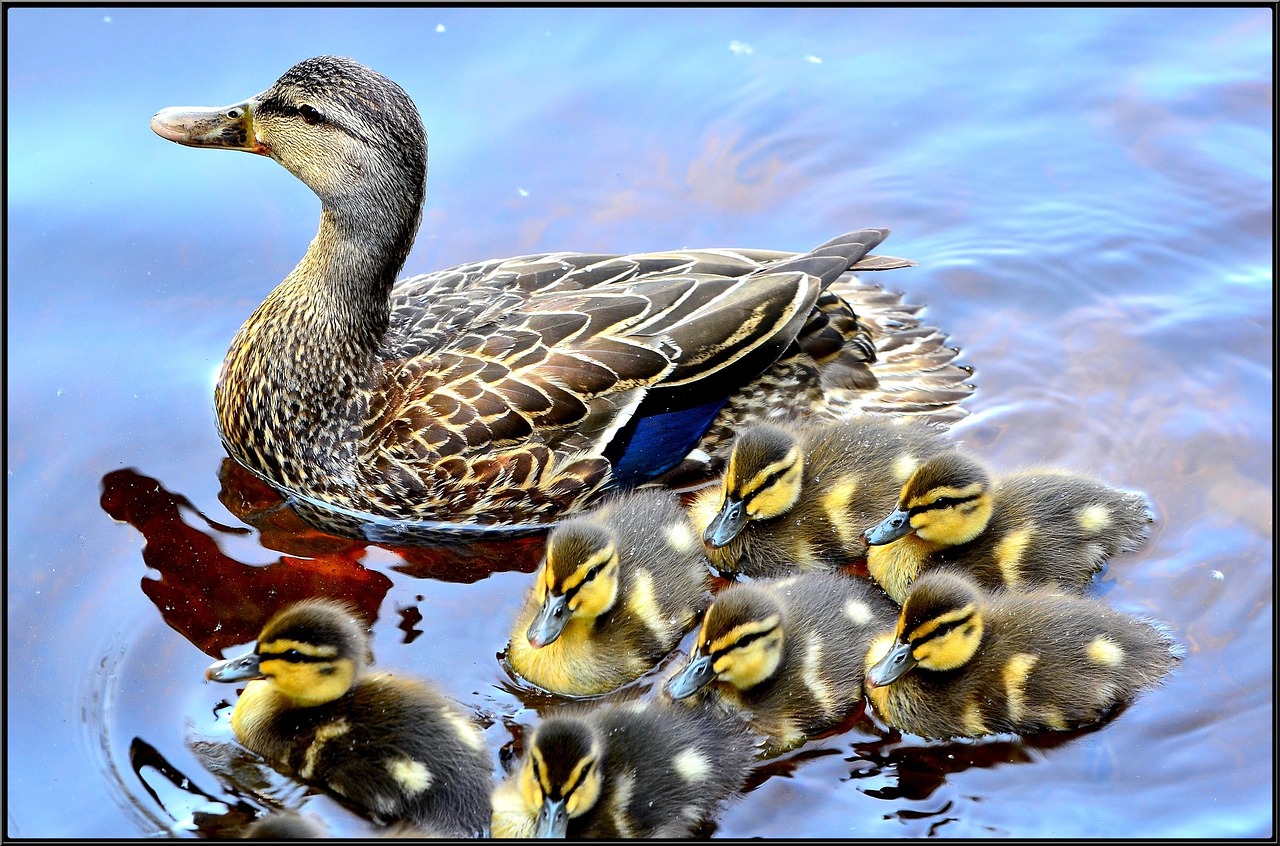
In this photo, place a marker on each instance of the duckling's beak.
(549, 622)
(888, 530)
(696, 675)
(893, 666)
(234, 669)
(553, 819)
(227, 128)
(727, 523)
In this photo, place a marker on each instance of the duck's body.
(967, 663)
(507, 393)
(617, 590)
(1022, 531)
(786, 652)
(799, 497)
(623, 770)
(390, 746)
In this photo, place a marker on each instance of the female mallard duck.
(800, 496)
(392, 747)
(788, 652)
(617, 590)
(1026, 530)
(965, 663)
(503, 394)
(635, 769)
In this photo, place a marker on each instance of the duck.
(390, 746)
(500, 395)
(788, 653)
(798, 497)
(1051, 529)
(627, 769)
(617, 589)
(966, 662)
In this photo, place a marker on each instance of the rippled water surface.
(1088, 194)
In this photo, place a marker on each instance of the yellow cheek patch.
(1094, 518)
(1105, 651)
(1009, 552)
(692, 765)
(412, 776)
(1015, 683)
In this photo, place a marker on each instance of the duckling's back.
(396, 749)
(667, 768)
(1051, 530)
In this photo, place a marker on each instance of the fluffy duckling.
(965, 663)
(617, 590)
(788, 652)
(392, 747)
(1026, 530)
(634, 769)
(798, 497)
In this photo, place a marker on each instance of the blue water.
(1088, 193)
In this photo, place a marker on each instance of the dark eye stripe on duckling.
(942, 625)
(944, 498)
(741, 637)
(296, 652)
(766, 478)
(593, 567)
(560, 791)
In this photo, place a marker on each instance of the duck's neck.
(294, 390)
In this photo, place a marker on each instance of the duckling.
(284, 825)
(1049, 529)
(392, 747)
(616, 591)
(788, 652)
(798, 497)
(633, 769)
(966, 663)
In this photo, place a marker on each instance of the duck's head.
(762, 481)
(352, 135)
(740, 643)
(561, 775)
(311, 652)
(940, 628)
(578, 578)
(947, 501)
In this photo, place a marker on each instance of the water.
(1088, 193)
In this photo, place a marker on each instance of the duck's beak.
(234, 669)
(227, 128)
(893, 666)
(553, 819)
(888, 530)
(727, 523)
(549, 621)
(696, 675)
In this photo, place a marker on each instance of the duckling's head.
(946, 501)
(578, 578)
(762, 481)
(348, 132)
(940, 628)
(311, 652)
(740, 643)
(561, 774)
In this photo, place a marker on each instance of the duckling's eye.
(235, 114)
(310, 114)
(292, 655)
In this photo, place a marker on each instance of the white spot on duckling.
(903, 466)
(1094, 518)
(858, 611)
(412, 776)
(692, 765)
(680, 537)
(465, 730)
(1103, 650)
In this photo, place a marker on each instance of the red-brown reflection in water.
(210, 598)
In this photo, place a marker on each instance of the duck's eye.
(310, 114)
(292, 655)
(235, 114)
